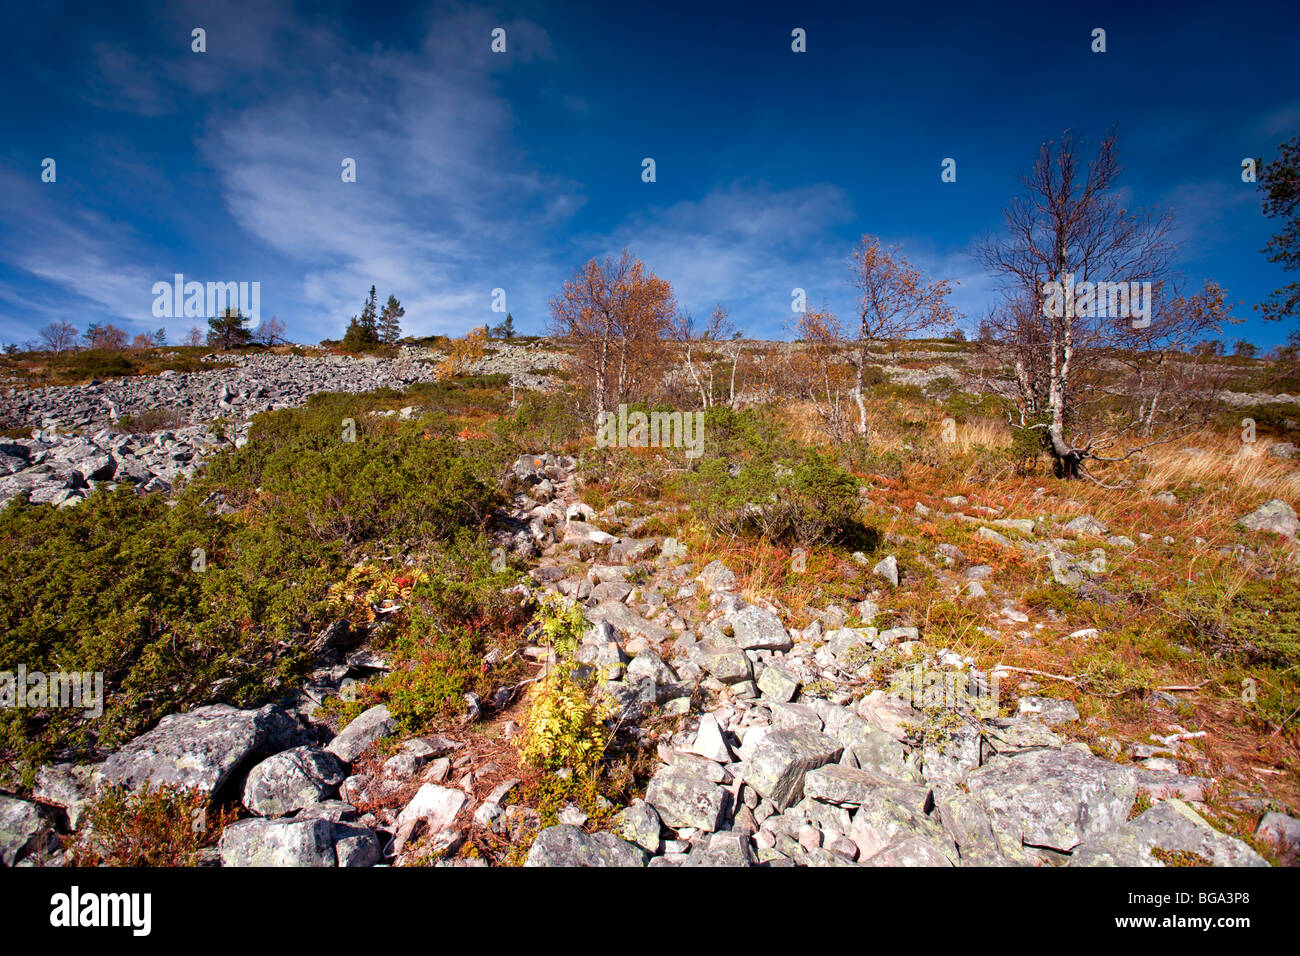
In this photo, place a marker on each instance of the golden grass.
(1223, 460)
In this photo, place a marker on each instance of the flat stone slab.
(848, 787)
(1049, 710)
(1054, 798)
(1172, 827)
(628, 623)
(912, 851)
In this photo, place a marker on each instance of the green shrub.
(110, 586)
(458, 614)
(98, 363)
(809, 500)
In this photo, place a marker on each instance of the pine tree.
(390, 327)
(506, 330)
(228, 330)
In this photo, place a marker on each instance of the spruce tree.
(370, 318)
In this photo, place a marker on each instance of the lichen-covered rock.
(730, 848)
(262, 842)
(891, 714)
(1054, 798)
(627, 623)
(716, 576)
(356, 846)
(685, 799)
(967, 822)
(200, 749)
(68, 786)
(777, 683)
(291, 780)
(848, 787)
(564, 845)
(1049, 710)
(776, 766)
(1276, 516)
(757, 628)
(25, 828)
(640, 824)
(365, 729)
(912, 851)
(1170, 829)
(882, 822)
(724, 662)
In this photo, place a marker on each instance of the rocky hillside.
(976, 678)
(767, 750)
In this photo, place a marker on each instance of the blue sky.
(478, 171)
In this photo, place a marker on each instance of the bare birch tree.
(1091, 319)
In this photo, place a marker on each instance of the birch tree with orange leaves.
(894, 302)
(617, 312)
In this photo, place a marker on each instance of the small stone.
(709, 741)
(640, 824)
(571, 815)
(777, 683)
(887, 569)
(810, 838)
(1049, 710)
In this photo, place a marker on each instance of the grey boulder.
(367, 728)
(1054, 798)
(564, 845)
(25, 828)
(684, 799)
(292, 780)
(776, 767)
(260, 842)
(1172, 827)
(200, 749)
